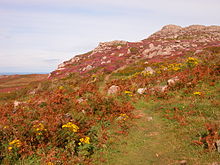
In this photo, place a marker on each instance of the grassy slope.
(161, 141)
(169, 141)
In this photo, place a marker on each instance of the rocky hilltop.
(171, 40)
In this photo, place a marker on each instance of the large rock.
(113, 89)
(103, 46)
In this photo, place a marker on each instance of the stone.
(119, 47)
(159, 89)
(151, 55)
(149, 70)
(113, 89)
(145, 52)
(215, 163)
(218, 145)
(172, 81)
(103, 46)
(17, 103)
(88, 67)
(68, 115)
(198, 51)
(163, 88)
(151, 46)
(80, 100)
(183, 162)
(75, 59)
(153, 50)
(141, 90)
(171, 28)
(129, 51)
(33, 92)
(149, 118)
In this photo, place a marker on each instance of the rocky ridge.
(171, 40)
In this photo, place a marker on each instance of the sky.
(37, 35)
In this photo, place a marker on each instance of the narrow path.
(152, 141)
(146, 144)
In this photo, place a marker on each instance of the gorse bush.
(58, 121)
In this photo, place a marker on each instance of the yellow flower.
(192, 61)
(128, 92)
(197, 93)
(9, 148)
(14, 143)
(123, 116)
(94, 76)
(85, 140)
(38, 128)
(174, 67)
(50, 163)
(71, 126)
(61, 87)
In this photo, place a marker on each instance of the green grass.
(163, 141)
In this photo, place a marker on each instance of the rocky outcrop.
(105, 46)
(171, 40)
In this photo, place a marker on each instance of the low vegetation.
(74, 120)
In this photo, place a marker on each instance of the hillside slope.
(171, 40)
(155, 109)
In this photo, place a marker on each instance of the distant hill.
(10, 83)
(21, 73)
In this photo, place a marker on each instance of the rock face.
(103, 46)
(171, 40)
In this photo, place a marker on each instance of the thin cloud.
(39, 34)
(51, 61)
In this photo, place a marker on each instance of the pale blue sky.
(37, 35)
